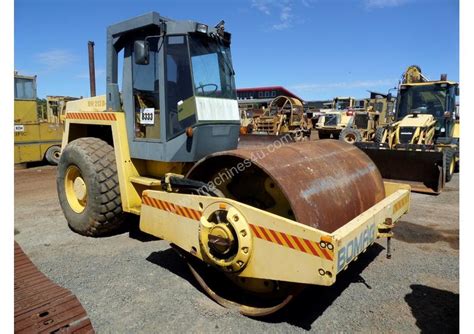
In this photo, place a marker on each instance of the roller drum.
(323, 184)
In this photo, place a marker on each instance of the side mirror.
(389, 96)
(141, 51)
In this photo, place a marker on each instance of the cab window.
(25, 89)
(146, 95)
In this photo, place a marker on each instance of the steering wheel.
(206, 85)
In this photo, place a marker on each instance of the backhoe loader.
(422, 146)
(255, 225)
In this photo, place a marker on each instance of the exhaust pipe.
(90, 45)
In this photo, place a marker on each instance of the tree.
(41, 110)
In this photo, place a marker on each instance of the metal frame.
(316, 256)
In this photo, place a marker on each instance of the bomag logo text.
(355, 247)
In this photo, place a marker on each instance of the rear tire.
(88, 187)
(53, 154)
(350, 136)
(379, 135)
(450, 164)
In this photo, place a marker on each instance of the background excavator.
(422, 146)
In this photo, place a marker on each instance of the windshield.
(25, 89)
(359, 104)
(376, 105)
(213, 74)
(425, 99)
(342, 104)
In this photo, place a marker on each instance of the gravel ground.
(130, 283)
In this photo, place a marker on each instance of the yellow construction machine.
(37, 135)
(246, 121)
(284, 115)
(336, 119)
(377, 112)
(422, 146)
(255, 225)
(56, 108)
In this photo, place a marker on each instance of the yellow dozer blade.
(422, 170)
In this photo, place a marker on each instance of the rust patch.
(323, 184)
(42, 306)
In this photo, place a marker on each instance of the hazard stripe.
(325, 251)
(311, 248)
(180, 211)
(95, 116)
(255, 231)
(291, 241)
(264, 233)
(195, 214)
(275, 235)
(288, 242)
(167, 206)
(298, 243)
(401, 203)
(159, 205)
(172, 208)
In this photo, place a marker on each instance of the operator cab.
(178, 91)
(434, 98)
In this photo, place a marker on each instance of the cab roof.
(430, 83)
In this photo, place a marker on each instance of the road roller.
(255, 224)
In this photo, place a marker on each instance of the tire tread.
(106, 214)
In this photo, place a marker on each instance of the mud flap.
(422, 170)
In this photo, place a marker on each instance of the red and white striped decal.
(91, 116)
(171, 207)
(282, 239)
(291, 241)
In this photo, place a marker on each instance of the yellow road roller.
(255, 224)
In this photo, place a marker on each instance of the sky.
(317, 49)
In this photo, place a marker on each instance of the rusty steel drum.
(323, 184)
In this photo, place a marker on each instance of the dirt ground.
(129, 283)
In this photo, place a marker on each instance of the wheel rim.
(76, 189)
(451, 167)
(350, 138)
